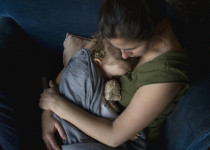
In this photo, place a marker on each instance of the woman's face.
(130, 48)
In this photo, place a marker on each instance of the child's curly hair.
(107, 53)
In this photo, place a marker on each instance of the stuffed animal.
(112, 93)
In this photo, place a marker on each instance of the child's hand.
(135, 137)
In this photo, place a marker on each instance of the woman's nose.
(124, 55)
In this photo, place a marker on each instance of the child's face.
(115, 70)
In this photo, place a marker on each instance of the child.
(83, 79)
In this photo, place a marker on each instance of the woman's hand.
(49, 97)
(49, 127)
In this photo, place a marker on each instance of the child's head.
(109, 58)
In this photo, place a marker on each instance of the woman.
(139, 28)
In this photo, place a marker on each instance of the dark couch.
(31, 45)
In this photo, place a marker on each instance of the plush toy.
(112, 93)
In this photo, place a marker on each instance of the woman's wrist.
(46, 113)
(58, 104)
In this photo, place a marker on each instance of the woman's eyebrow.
(132, 48)
(126, 48)
(129, 48)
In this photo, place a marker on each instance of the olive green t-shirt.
(168, 67)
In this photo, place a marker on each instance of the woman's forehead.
(124, 44)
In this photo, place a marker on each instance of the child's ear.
(97, 61)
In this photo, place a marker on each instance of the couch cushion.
(72, 44)
(48, 21)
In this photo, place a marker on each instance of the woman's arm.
(148, 102)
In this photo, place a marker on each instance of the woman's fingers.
(61, 131)
(135, 137)
(48, 146)
(54, 144)
(51, 84)
(51, 143)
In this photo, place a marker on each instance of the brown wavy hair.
(131, 19)
(107, 53)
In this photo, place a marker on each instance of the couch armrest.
(188, 127)
(20, 55)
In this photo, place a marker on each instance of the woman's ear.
(97, 61)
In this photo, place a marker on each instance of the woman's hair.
(107, 53)
(131, 19)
